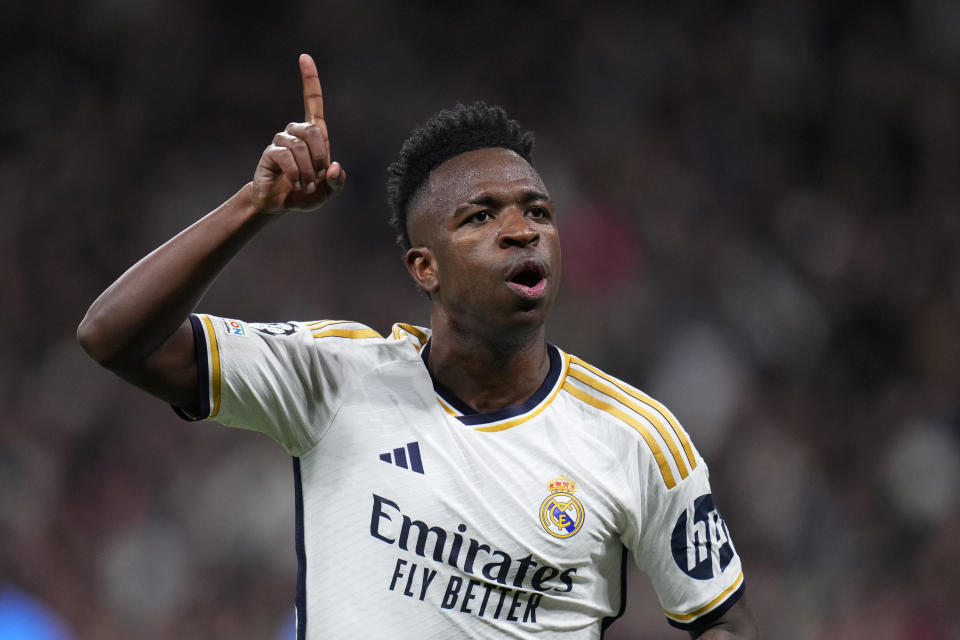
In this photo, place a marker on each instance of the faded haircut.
(446, 134)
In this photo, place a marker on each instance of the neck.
(488, 371)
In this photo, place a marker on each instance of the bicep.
(170, 372)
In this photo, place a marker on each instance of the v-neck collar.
(508, 416)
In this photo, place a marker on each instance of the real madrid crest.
(561, 513)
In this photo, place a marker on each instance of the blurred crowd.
(760, 217)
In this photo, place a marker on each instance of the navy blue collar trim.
(471, 417)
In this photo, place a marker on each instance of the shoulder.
(320, 337)
(406, 338)
(632, 414)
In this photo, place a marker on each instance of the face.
(485, 243)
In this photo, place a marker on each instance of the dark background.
(759, 211)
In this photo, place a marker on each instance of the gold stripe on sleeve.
(347, 333)
(412, 330)
(320, 324)
(684, 617)
(644, 398)
(642, 430)
(681, 433)
(214, 355)
(613, 393)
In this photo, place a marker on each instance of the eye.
(478, 217)
(538, 212)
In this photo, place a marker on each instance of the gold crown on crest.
(562, 485)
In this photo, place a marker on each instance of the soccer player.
(468, 479)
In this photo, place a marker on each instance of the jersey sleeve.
(679, 540)
(282, 379)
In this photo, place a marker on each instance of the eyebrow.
(490, 200)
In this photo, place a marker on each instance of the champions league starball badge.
(561, 513)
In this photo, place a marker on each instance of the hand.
(295, 171)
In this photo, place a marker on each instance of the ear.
(422, 266)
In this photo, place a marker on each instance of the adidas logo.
(401, 456)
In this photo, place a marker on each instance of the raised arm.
(139, 326)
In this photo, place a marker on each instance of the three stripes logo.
(405, 457)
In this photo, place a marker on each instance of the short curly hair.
(446, 134)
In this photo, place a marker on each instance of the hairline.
(410, 213)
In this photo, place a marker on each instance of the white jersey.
(419, 518)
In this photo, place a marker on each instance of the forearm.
(138, 327)
(143, 308)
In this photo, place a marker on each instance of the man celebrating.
(466, 480)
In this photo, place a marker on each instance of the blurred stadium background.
(760, 211)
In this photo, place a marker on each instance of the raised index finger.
(312, 95)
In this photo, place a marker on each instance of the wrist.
(249, 201)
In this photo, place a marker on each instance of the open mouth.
(527, 280)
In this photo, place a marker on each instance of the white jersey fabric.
(420, 518)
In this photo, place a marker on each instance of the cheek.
(465, 270)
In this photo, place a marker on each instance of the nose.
(516, 230)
